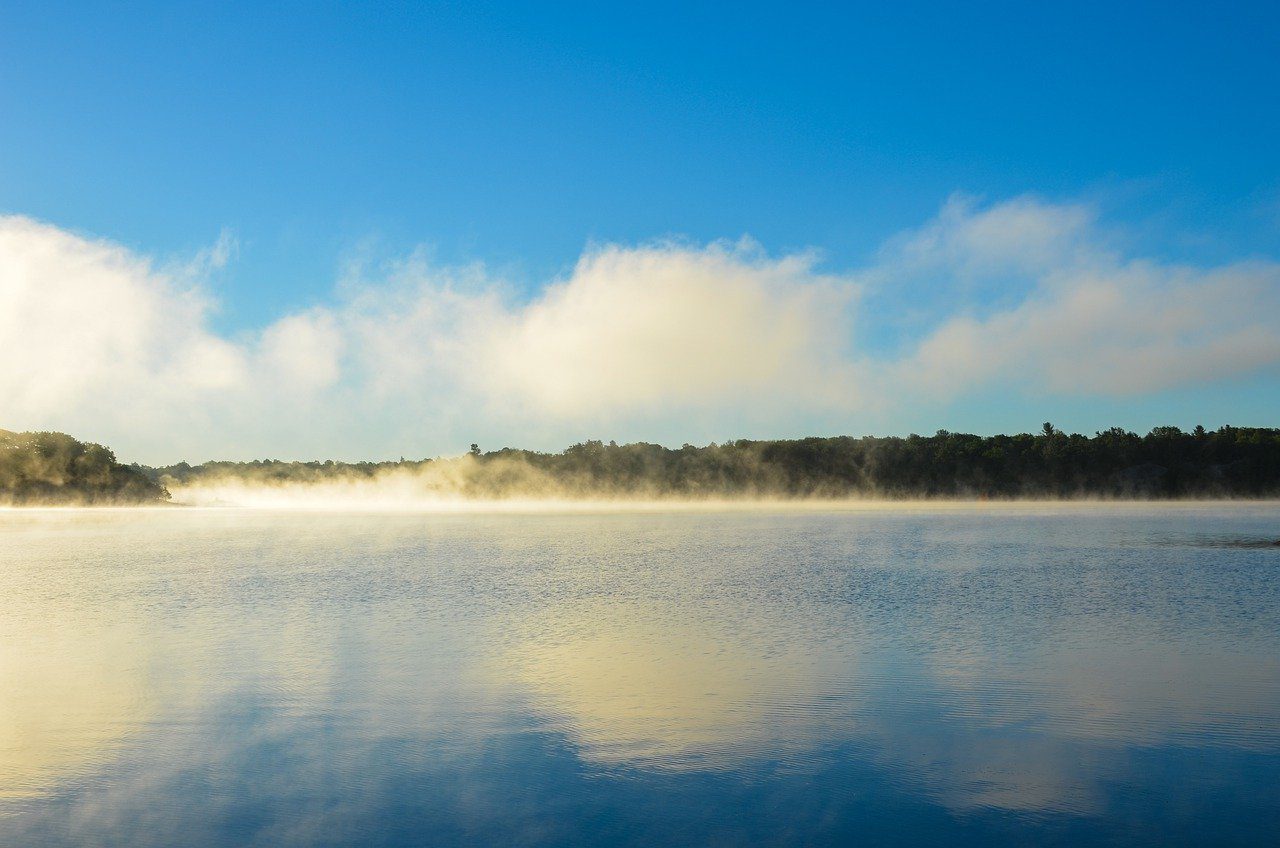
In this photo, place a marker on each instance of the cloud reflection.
(664, 687)
(69, 699)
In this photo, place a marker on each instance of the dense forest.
(54, 468)
(1165, 463)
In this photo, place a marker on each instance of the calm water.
(1103, 675)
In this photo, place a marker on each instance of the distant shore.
(1113, 466)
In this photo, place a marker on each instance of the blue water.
(1102, 675)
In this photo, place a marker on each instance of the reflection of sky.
(255, 679)
(680, 688)
(66, 703)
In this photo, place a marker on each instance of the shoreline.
(515, 506)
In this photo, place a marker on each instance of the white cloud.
(99, 341)
(92, 336)
(669, 325)
(1087, 321)
(1019, 235)
(304, 350)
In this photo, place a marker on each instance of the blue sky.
(323, 137)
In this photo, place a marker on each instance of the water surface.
(1051, 674)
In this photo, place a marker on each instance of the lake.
(946, 674)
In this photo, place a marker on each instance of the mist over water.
(945, 673)
(462, 484)
(1165, 464)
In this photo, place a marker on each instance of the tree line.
(1167, 462)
